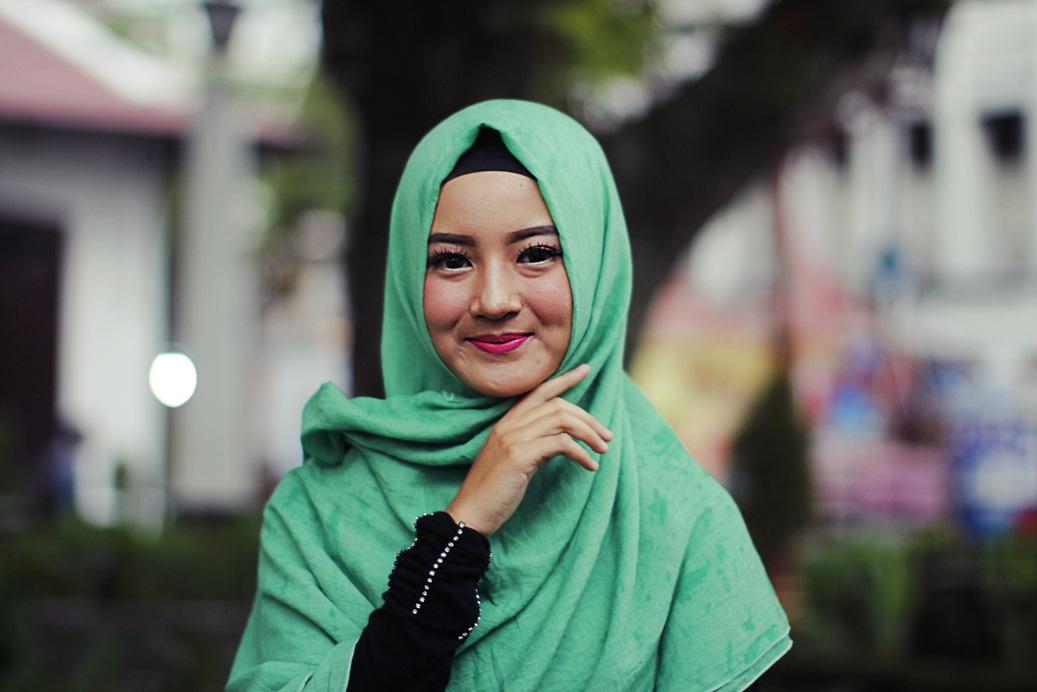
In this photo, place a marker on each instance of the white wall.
(965, 226)
(109, 194)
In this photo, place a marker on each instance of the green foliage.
(86, 608)
(315, 175)
(592, 43)
(873, 597)
(1010, 570)
(860, 595)
(605, 38)
(73, 559)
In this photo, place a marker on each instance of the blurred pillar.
(212, 463)
(873, 188)
(964, 252)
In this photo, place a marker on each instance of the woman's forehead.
(491, 200)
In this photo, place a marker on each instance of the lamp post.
(216, 310)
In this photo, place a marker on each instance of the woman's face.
(497, 300)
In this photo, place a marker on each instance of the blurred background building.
(89, 140)
(901, 250)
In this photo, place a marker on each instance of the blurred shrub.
(215, 559)
(859, 595)
(935, 595)
(1010, 572)
(86, 608)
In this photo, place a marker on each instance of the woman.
(617, 564)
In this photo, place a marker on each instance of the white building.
(88, 167)
(95, 236)
(923, 213)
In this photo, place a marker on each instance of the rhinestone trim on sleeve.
(432, 572)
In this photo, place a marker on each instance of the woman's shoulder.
(313, 486)
(316, 510)
(306, 494)
(291, 502)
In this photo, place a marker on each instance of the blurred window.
(920, 144)
(1005, 133)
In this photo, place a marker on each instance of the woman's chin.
(501, 390)
(502, 386)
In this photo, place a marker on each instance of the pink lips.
(499, 343)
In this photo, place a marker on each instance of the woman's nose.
(496, 295)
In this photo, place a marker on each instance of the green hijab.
(638, 576)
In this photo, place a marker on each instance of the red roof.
(39, 87)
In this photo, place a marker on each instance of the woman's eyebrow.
(513, 237)
(452, 238)
(517, 236)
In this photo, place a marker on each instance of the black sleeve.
(430, 608)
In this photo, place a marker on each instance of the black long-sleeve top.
(430, 608)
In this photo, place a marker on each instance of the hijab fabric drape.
(638, 576)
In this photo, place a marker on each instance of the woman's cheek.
(556, 299)
(444, 302)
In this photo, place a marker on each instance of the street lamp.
(221, 20)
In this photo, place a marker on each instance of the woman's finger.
(562, 444)
(554, 411)
(583, 414)
(563, 417)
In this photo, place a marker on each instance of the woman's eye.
(539, 254)
(448, 260)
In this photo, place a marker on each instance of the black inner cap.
(488, 153)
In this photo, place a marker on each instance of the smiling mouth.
(499, 343)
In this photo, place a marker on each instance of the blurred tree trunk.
(407, 65)
(775, 82)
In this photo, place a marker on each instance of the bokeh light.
(173, 379)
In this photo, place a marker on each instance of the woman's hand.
(537, 428)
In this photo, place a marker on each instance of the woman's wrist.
(463, 514)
